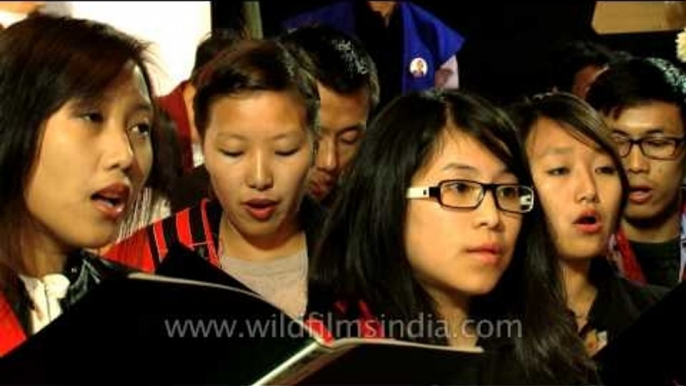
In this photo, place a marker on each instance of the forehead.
(644, 118)
(127, 93)
(454, 146)
(129, 83)
(548, 134)
(254, 113)
(355, 103)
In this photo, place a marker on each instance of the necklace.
(583, 308)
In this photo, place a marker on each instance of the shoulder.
(500, 364)
(85, 271)
(135, 250)
(618, 291)
(104, 268)
(312, 212)
(337, 14)
(620, 302)
(446, 37)
(190, 188)
(145, 248)
(503, 366)
(170, 102)
(641, 295)
(312, 217)
(132, 252)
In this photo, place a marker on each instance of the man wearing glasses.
(642, 101)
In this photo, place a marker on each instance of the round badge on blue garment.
(418, 67)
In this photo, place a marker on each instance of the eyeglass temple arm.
(526, 200)
(418, 192)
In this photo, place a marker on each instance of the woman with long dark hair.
(583, 190)
(438, 224)
(78, 143)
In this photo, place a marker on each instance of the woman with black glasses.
(582, 189)
(427, 231)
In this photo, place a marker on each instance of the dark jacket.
(84, 271)
(619, 301)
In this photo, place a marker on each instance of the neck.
(286, 241)
(655, 233)
(384, 8)
(44, 256)
(579, 290)
(455, 310)
(656, 230)
(188, 95)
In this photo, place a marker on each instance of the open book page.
(376, 361)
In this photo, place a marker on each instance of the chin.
(260, 230)
(318, 197)
(585, 254)
(481, 288)
(94, 242)
(640, 213)
(481, 291)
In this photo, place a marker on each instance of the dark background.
(506, 52)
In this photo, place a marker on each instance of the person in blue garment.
(412, 49)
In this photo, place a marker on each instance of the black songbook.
(181, 262)
(651, 350)
(155, 329)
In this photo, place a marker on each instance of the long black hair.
(45, 62)
(577, 118)
(361, 255)
(582, 122)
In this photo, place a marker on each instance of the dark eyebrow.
(94, 102)
(85, 102)
(471, 169)
(649, 132)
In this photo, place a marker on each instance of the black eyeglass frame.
(434, 191)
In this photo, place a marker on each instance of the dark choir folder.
(652, 351)
(162, 330)
(181, 262)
